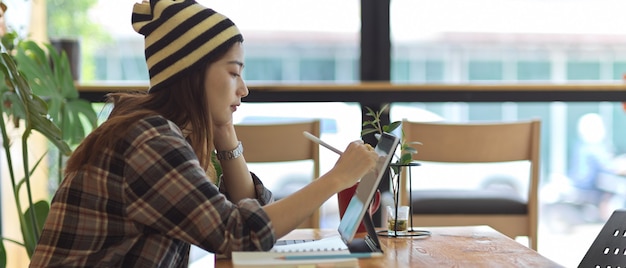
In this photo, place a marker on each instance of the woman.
(141, 188)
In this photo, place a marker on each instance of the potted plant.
(38, 94)
(49, 75)
(402, 162)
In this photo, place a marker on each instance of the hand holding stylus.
(321, 142)
(354, 163)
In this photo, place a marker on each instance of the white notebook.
(334, 243)
(254, 259)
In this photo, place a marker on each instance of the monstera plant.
(38, 94)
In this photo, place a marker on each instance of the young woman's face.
(224, 85)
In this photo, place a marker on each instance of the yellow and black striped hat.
(179, 36)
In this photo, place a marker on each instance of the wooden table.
(468, 246)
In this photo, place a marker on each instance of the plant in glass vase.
(402, 162)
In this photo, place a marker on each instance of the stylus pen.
(358, 255)
(321, 142)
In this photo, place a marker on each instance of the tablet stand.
(370, 242)
(609, 247)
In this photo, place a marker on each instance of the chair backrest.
(279, 142)
(483, 142)
(282, 142)
(475, 142)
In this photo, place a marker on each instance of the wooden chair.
(505, 211)
(282, 142)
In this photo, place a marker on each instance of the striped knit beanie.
(180, 36)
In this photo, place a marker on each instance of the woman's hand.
(235, 174)
(224, 137)
(357, 160)
(354, 163)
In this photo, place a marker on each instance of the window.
(434, 71)
(484, 70)
(533, 70)
(263, 69)
(619, 70)
(400, 71)
(417, 71)
(583, 70)
(317, 69)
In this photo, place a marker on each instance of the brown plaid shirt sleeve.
(143, 204)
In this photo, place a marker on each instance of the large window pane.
(512, 31)
(284, 40)
(516, 41)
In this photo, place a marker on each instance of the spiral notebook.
(356, 211)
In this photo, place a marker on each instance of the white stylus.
(321, 142)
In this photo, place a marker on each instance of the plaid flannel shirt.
(143, 204)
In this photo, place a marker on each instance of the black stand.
(609, 247)
(368, 244)
(410, 231)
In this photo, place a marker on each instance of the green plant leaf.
(370, 112)
(77, 111)
(32, 170)
(406, 158)
(35, 116)
(62, 73)
(49, 75)
(406, 155)
(3, 255)
(392, 126)
(9, 98)
(410, 150)
(368, 131)
(39, 92)
(31, 229)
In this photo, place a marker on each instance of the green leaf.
(32, 108)
(370, 112)
(81, 118)
(15, 109)
(368, 131)
(391, 127)
(395, 169)
(406, 158)
(30, 173)
(32, 229)
(3, 255)
(49, 74)
(410, 150)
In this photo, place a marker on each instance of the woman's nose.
(243, 89)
